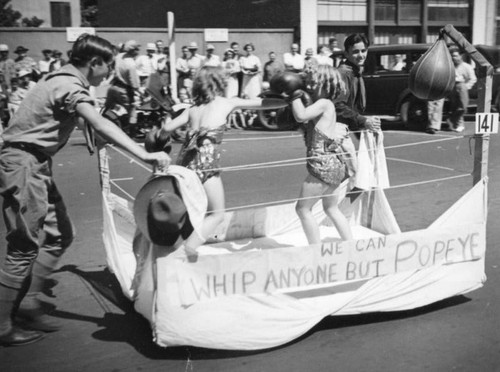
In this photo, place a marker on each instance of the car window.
(390, 62)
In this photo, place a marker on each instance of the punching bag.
(433, 75)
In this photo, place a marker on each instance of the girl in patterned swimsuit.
(328, 161)
(201, 150)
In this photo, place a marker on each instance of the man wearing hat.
(7, 65)
(210, 58)
(124, 87)
(44, 63)
(58, 61)
(23, 62)
(194, 60)
(147, 63)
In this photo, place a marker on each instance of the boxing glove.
(287, 82)
(302, 95)
(158, 140)
(306, 99)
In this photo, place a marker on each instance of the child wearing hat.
(39, 229)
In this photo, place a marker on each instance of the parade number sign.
(486, 123)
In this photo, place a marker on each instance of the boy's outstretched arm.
(115, 135)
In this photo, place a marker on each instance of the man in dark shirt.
(351, 105)
(272, 67)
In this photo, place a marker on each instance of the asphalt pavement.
(103, 333)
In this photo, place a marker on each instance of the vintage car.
(387, 87)
(386, 80)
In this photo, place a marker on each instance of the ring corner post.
(484, 87)
(172, 59)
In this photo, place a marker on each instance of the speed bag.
(433, 75)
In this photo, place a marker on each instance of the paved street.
(102, 333)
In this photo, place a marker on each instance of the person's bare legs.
(215, 214)
(331, 208)
(311, 190)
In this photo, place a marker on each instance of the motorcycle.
(156, 107)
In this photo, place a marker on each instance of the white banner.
(329, 264)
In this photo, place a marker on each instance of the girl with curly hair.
(329, 146)
(202, 148)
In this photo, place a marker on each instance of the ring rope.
(283, 201)
(302, 159)
(284, 162)
(132, 160)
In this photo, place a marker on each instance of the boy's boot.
(11, 335)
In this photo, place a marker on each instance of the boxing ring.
(257, 283)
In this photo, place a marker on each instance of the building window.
(60, 13)
(449, 10)
(385, 10)
(393, 37)
(342, 10)
(410, 10)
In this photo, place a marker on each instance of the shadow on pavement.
(132, 328)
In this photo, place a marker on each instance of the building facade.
(316, 21)
(399, 21)
(65, 13)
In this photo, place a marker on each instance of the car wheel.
(413, 113)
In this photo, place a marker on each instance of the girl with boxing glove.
(329, 151)
(201, 150)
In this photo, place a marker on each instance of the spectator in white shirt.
(294, 61)
(147, 63)
(194, 60)
(323, 56)
(181, 66)
(210, 58)
(44, 64)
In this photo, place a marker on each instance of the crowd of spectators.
(18, 75)
(247, 75)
